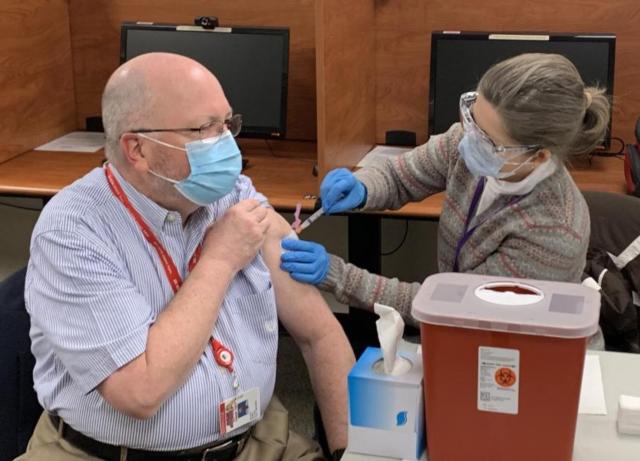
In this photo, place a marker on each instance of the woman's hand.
(306, 262)
(342, 191)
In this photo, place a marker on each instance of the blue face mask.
(481, 160)
(215, 166)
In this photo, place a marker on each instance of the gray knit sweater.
(543, 235)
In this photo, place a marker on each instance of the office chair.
(613, 260)
(19, 408)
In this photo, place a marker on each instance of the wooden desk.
(43, 174)
(285, 178)
(599, 174)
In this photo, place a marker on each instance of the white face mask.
(482, 160)
(481, 155)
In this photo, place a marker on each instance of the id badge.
(239, 410)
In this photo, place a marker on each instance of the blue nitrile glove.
(306, 262)
(341, 191)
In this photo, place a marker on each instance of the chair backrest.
(19, 408)
(615, 220)
(613, 261)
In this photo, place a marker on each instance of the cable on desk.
(266, 141)
(20, 207)
(617, 153)
(404, 237)
(271, 151)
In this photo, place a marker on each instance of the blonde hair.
(542, 100)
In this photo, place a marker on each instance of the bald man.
(154, 292)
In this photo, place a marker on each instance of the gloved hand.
(341, 191)
(306, 262)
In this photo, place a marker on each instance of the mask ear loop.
(166, 144)
(158, 175)
(513, 172)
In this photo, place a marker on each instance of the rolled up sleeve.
(86, 305)
(246, 190)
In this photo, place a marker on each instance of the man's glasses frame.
(233, 124)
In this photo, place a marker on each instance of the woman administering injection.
(512, 208)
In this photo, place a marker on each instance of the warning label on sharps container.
(498, 379)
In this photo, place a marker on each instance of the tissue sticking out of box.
(390, 328)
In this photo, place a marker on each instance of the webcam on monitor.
(206, 22)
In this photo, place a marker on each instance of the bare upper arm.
(301, 308)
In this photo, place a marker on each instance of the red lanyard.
(223, 356)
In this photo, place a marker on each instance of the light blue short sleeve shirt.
(95, 286)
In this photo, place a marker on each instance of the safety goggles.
(469, 125)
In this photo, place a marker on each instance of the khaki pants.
(270, 440)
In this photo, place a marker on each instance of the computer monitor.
(250, 63)
(459, 59)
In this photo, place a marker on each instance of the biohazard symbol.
(505, 377)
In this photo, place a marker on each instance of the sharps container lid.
(536, 307)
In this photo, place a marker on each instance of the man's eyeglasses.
(208, 130)
(469, 124)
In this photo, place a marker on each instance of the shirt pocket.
(259, 323)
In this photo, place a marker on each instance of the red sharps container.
(503, 362)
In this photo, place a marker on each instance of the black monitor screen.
(458, 61)
(251, 65)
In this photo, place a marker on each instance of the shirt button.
(171, 217)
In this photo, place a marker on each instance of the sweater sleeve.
(360, 288)
(412, 176)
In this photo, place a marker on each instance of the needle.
(311, 219)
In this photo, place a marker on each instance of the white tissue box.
(629, 415)
(386, 413)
